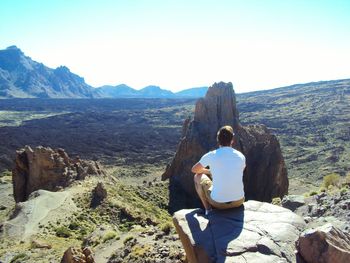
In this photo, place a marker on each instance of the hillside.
(311, 121)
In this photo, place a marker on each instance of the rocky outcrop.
(265, 176)
(255, 232)
(44, 168)
(325, 244)
(99, 193)
(78, 255)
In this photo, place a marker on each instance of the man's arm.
(198, 168)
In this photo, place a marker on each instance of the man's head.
(225, 136)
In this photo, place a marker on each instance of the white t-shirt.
(226, 166)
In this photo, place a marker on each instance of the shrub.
(331, 179)
(62, 231)
(343, 190)
(322, 189)
(312, 193)
(6, 173)
(347, 179)
(276, 201)
(166, 228)
(73, 226)
(19, 258)
(127, 239)
(108, 236)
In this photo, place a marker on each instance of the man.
(226, 166)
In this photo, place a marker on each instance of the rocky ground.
(130, 225)
(331, 206)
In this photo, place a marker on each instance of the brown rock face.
(44, 168)
(78, 255)
(325, 244)
(265, 176)
(98, 194)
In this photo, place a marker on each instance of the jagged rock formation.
(325, 244)
(44, 168)
(255, 232)
(265, 176)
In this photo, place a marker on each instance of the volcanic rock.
(78, 255)
(255, 232)
(325, 244)
(44, 168)
(98, 194)
(265, 176)
(292, 202)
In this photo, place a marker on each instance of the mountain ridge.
(22, 77)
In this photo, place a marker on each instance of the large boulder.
(325, 244)
(265, 176)
(48, 169)
(255, 232)
(78, 255)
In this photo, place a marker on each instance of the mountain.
(124, 91)
(119, 91)
(21, 77)
(155, 92)
(192, 93)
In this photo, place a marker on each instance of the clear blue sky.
(181, 44)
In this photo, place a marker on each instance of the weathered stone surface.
(292, 202)
(255, 232)
(265, 176)
(44, 168)
(41, 207)
(325, 244)
(78, 255)
(40, 244)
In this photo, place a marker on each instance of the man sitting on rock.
(226, 166)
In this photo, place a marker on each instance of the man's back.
(226, 166)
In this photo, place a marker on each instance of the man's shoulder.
(239, 154)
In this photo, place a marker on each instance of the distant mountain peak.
(151, 87)
(13, 47)
(63, 68)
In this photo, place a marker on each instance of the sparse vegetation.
(63, 232)
(166, 228)
(19, 258)
(332, 179)
(276, 201)
(109, 235)
(5, 173)
(127, 239)
(140, 251)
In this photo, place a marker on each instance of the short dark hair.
(225, 135)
